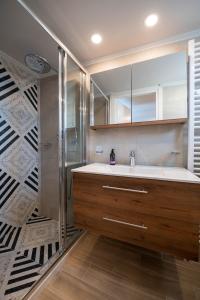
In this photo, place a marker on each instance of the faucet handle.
(132, 153)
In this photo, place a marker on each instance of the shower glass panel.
(74, 134)
(29, 135)
(42, 113)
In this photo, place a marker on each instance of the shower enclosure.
(42, 137)
(72, 116)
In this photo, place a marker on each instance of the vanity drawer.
(173, 200)
(155, 233)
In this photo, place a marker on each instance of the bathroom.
(99, 149)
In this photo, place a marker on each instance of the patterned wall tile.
(7, 84)
(32, 95)
(32, 138)
(32, 181)
(5, 260)
(40, 233)
(19, 138)
(19, 114)
(19, 161)
(19, 206)
(8, 185)
(22, 75)
(9, 236)
(8, 135)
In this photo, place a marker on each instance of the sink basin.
(123, 169)
(140, 171)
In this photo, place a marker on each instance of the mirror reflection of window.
(144, 107)
(120, 107)
(166, 80)
(175, 101)
(100, 111)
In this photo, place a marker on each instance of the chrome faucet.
(132, 158)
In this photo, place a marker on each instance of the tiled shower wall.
(19, 158)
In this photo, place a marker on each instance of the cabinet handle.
(123, 189)
(125, 223)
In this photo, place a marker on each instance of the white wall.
(153, 144)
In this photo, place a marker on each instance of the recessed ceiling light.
(96, 38)
(151, 20)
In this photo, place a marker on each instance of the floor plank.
(101, 268)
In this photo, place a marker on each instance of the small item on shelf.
(112, 157)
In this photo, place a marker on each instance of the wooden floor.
(104, 269)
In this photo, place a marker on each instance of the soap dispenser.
(112, 157)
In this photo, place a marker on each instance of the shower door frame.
(63, 54)
(62, 139)
(62, 73)
(63, 145)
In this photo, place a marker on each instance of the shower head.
(37, 63)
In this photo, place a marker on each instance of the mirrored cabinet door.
(160, 88)
(151, 90)
(111, 96)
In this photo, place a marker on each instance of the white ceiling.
(21, 34)
(121, 23)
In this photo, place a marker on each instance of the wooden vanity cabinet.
(159, 215)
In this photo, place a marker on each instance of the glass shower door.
(74, 137)
(29, 171)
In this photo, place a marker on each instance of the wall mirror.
(111, 96)
(160, 88)
(151, 90)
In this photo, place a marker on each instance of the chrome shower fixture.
(37, 63)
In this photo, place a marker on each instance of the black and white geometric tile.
(36, 218)
(23, 77)
(32, 138)
(25, 270)
(19, 160)
(7, 84)
(8, 135)
(32, 181)
(19, 113)
(19, 206)
(9, 236)
(19, 139)
(23, 257)
(32, 95)
(8, 185)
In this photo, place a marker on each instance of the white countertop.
(139, 171)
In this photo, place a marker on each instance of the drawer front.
(178, 201)
(155, 233)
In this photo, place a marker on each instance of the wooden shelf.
(137, 124)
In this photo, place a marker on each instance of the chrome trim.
(124, 189)
(125, 223)
(64, 206)
(84, 115)
(52, 34)
(100, 90)
(91, 103)
(61, 146)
